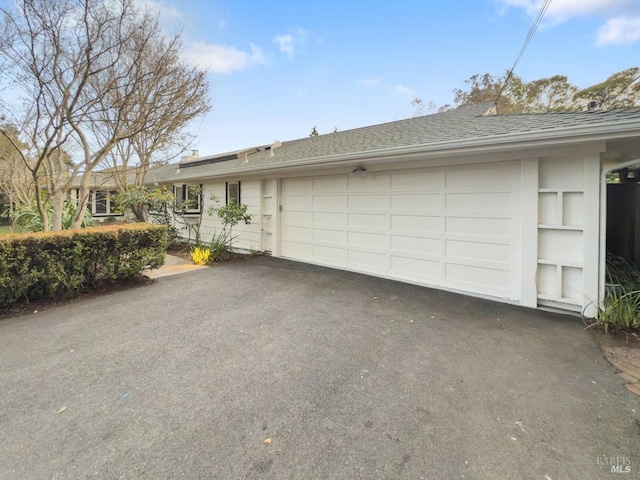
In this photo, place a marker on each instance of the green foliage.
(622, 89)
(136, 197)
(555, 93)
(27, 219)
(59, 264)
(232, 214)
(200, 255)
(220, 245)
(622, 299)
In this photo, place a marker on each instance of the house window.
(233, 193)
(188, 197)
(100, 202)
(101, 199)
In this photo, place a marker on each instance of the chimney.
(194, 153)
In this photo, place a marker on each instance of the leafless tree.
(83, 73)
(15, 178)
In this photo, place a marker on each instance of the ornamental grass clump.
(621, 306)
(200, 255)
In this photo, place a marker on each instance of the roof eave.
(475, 146)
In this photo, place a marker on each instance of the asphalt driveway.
(266, 368)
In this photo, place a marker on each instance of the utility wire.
(532, 31)
(620, 92)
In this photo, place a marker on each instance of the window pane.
(232, 195)
(113, 204)
(101, 201)
(193, 197)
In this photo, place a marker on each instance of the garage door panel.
(329, 218)
(298, 185)
(297, 233)
(479, 226)
(478, 250)
(416, 224)
(478, 276)
(292, 217)
(301, 249)
(329, 184)
(369, 202)
(326, 202)
(420, 202)
(371, 220)
(299, 203)
(418, 181)
(369, 183)
(449, 227)
(365, 240)
(486, 177)
(416, 267)
(370, 260)
(420, 245)
(329, 235)
(499, 202)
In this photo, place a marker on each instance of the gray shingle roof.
(465, 124)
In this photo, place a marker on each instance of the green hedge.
(58, 264)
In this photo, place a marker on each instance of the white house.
(510, 207)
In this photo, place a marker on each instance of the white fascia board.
(475, 146)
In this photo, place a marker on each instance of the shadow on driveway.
(266, 368)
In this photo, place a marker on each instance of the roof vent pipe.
(275, 144)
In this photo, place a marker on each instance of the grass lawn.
(5, 230)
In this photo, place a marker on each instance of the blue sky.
(279, 68)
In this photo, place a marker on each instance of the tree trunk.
(82, 201)
(140, 212)
(58, 204)
(41, 209)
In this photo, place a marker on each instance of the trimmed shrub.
(59, 264)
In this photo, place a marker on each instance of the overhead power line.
(532, 31)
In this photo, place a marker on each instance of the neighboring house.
(102, 195)
(511, 207)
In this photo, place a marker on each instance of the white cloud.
(619, 31)
(167, 11)
(222, 58)
(286, 44)
(561, 10)
(371, 82)
(404, 90)
(290, 42)
(620, 16)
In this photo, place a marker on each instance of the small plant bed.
(620, 312)
(183, 250)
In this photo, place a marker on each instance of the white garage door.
(455, 228)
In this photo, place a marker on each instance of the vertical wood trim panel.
(529, 215)
(590, 274)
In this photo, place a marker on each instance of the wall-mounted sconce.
(359, 171)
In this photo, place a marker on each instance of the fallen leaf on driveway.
(62, 409)
(268, 441)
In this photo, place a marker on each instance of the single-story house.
(510, 207)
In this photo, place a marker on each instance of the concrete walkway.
(266, 368)
(172, 266)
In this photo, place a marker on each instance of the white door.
(454, 228)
